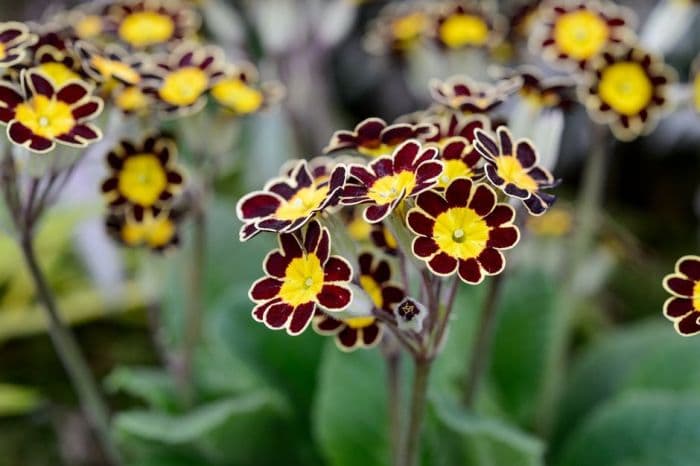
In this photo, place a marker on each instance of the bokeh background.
(311, 403)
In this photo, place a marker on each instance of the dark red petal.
(371, 334)
(513, 190)
(376, 213)
(248, 231)
(382, 273)
(424, 247)
(257, 204)
(443, 264)
(383, 166)
(432, 203)
(420, 223)
(71, 93)
(278, 315)
(265, 288)
(334, 297)
(85, 132)
(499, 215)
(677, 307)
(428, 172)
(87, 110)
(391, 295)
(369, 129)
(486, 144)
(363, 175)
(302, 175)
(313, 236)
(18, 133)
(454, 149)
(260, 310)
(290, 246)
(40, 144)
(365, 261)
(326, 324)
(503, 237)
(337, 269)
(347, 338)
(283, 189)
(275, 264)
(505, 140)
(680, 286)
(483, 200)
(491, 261)
(301, 317)
(323, 249)
(689, 325)
(457, 193)
(526, 154)
(690, 267)
(39, 84)
(469, 271)
(9, 96)
(405, 155)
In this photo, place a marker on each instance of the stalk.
(418, 400)
(393, 362)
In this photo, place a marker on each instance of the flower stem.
(412, 440)
(587, 222)
(73, 361)
(393, 363)
(481, 348)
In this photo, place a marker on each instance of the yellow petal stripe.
(142, 179)
(388, 188)
(626, 88)
(303, 280)
(461, 232)
(145, 28)
(373, 289)
(580, 34)
(45, 117)
(359, 322)
(462, 30)
(302, 204)
(113, 68)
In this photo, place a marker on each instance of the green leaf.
(479, 441)
(153, 386)
(349, 415)
(639, 429)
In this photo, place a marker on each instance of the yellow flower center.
(303, 280)
(142, 179)
(453, 169)
(462, 30)
(461, 233)
(359, 322)
(388, 188)
(236, 95)
(408, 27)
(131, 99)
(696, 296)
(45, 117)
(581, 34)
(358, 229)
(625, 87)
(302, 204)
(510, 169)
(58, 73)
(113, 68)
(373, 289)
(88, 27)
(145, 28)
(184, 86)
(155, 232)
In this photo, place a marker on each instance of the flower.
(54, 55)
(469, 96)
(86, 21)
(113, 63)
(238, 90)
(40, 114)
(15, 38)
(571, 33)
(398, 28)
(143, 176)
(542, 92)
(454, 124)
(181, 78)
(683, 308)
(513, 168)
(410, 315)
(388, 180)
(148, 23)
(301, 277)
(462, 24)
(156, 229)
(462, 230)
(373, 137)
(286, 203)
(459, 160)
(363, 331)
(628, 89)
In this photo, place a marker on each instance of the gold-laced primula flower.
(683, 309)
(512, 167)
(469, 96)
(54, 55)
(388, 180)
(286, 203)
(352, 332)
(240, 92)
(571, 33)
(460, 159)
(15, 38)
(627, 88)
(462, 230)
(465, 24)
(398, 29)
(156, 229)
(181, 79)
(301, 277)
(39, 114)
(374, 137)
(111, 64)
(143, 175)
(150, 23)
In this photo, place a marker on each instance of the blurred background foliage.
(632, 396)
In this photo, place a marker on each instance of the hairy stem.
(393, 363)
(412, 439)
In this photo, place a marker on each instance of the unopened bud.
(410, 315)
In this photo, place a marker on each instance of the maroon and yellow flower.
(240, 92)
(462, 230)
(572, 33)
(301, 277)
(627, 88)
(454, 124)
(683, 309)
(40, 114)
(150, 23)
(352, 332)
(156, 229)
(465, 24)
(388, 180)
(286, 203)
(15, 38)
(111, 64)
(144, 176)
(398, 28)
(375, 138)
(469, 96)
(512, 167)
(54, 55)
(181, 78)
